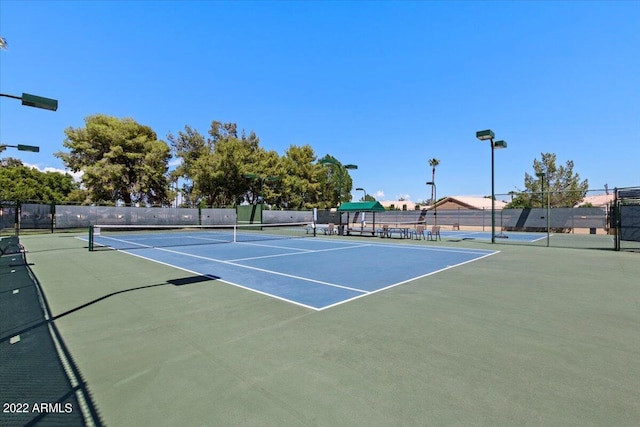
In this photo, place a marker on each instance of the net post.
(16, 223)
(314, 221)
(91, 238)
(235, 233)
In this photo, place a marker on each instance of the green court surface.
(529, 336)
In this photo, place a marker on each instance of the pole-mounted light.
(35, 101)
(435, 201)
(21, 147)
(484, 135)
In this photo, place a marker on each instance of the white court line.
(407, 281)
(399, 245)
(277, 273)
(363, 293)
(223, 281)
(277, 247)
(293, 254)
(537, 240)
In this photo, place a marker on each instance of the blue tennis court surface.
(316, 273)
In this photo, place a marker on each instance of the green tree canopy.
(561, 184)
(303, 178)
(22, 183)
(121, 160)
(228, 168)
(338, 183)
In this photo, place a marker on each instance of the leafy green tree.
(215, 167)
(561, 184)
(188, 146)
(265, 172)
(303, 178)
(121, 160)
(229, 168)
(22, 183)
(338, 183)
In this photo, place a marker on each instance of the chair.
(419, 231)
(434, 234)
(330, 230)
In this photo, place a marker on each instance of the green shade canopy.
(361, 207)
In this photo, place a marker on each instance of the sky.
(385, 85)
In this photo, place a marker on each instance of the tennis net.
(126, 237)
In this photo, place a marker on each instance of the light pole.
(542, 176)
(365, 192)
(20, 147)
(341, 170)
(484, 135)
(435, 201)
(35, 101)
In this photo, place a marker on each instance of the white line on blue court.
(292, 254)
(276, 247)
(352, 292)
(407, 281)
(225, 281)
(277, 273)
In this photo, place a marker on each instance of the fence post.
(52, 210)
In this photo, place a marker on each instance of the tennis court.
(316, 273)
(528, 335)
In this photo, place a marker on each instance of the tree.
(338, 182)
(561, 184)
(303, 178)
(22, 183)
(122, 160)
(188, 146)
(229, 168)
(434, 164)
(216, 167)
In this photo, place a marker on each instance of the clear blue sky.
(384, 85)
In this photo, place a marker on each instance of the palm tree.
(433, 163)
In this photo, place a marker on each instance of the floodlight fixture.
(483, 135)
(35, 101)
(21, 147)
(500, 144)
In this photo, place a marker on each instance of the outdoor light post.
(435, 201)
(484, 135)
(542, 176)
(35, 101)
(21, 147)
(341, 169)
(365, 192)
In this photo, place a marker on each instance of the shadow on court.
(41, 384)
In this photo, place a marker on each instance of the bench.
(361, 231)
